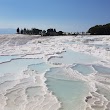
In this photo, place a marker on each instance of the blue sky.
(66, 15)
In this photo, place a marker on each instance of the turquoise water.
(7, 58)
(40, 68)
(101, 69)
(17, 66)
(84, 69)
(70, 57)
(58, 73)
(71, 93)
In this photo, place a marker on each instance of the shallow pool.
(16, 66)
(70, 93)
(7, 58)
(40, 68)
(101, 69)
(70, 57)
(84, 69)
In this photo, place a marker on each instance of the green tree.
(25, 31)
(18, 30)
(60, 33)
(54, 30)
(100, 30)
(22, 32)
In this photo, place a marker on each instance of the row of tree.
(96, 30)
(34, 31)
(100, 30)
